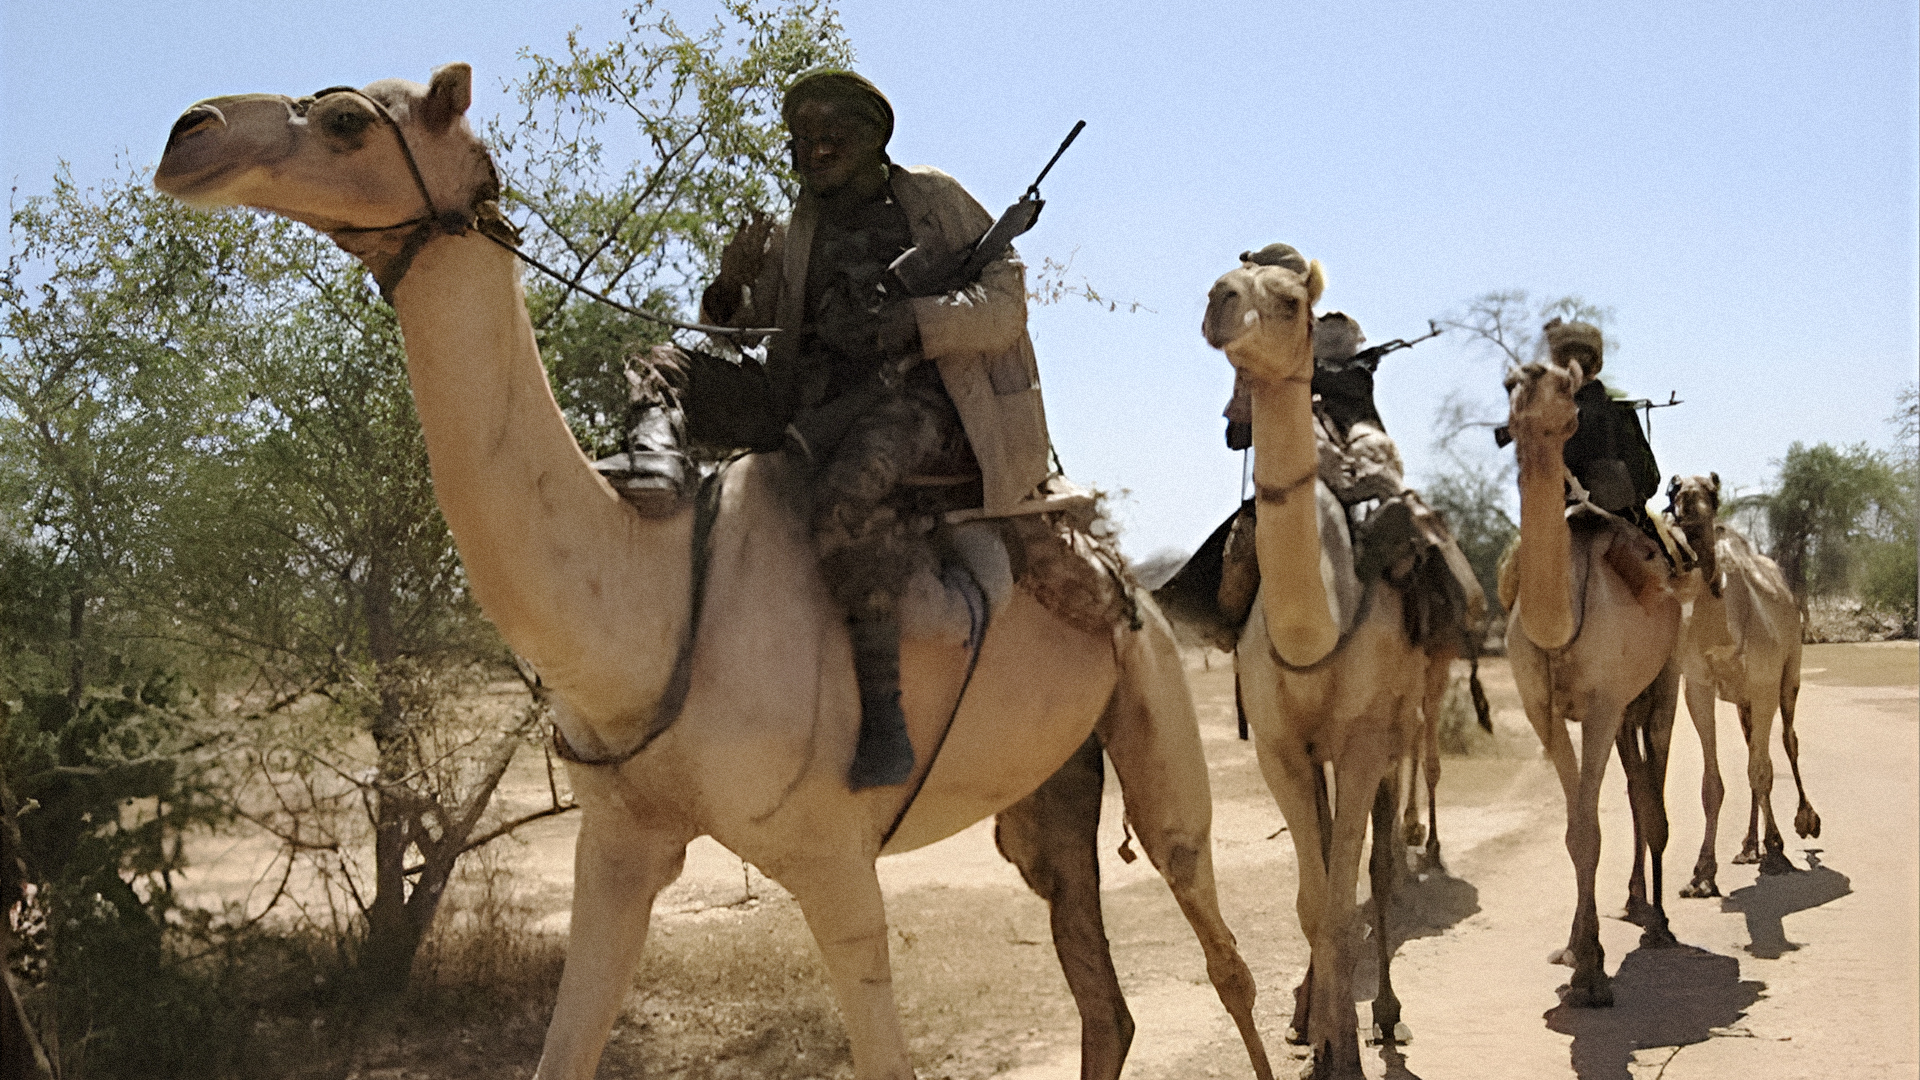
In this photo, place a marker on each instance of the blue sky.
(1736, 181)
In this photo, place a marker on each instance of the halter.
(485, 217)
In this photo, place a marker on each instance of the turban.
(844, 89)
(1277, 255)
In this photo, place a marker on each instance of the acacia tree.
(105, 392)
(1832, 512)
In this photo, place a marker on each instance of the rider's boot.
(884, 755)
(652, 473)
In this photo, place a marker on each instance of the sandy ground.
(1815, 974)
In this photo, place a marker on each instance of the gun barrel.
(1033, 189)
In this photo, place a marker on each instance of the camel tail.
(1481, 710)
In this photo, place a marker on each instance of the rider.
(1608, 454)
(904, 406)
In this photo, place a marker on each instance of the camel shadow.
(1674, 996)
(1425, 904)
(1768, 901)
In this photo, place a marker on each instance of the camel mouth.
(219, 139)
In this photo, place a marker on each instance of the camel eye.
(347, 124)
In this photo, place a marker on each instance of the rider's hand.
(740, 263)
(740, 260)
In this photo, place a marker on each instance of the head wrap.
(1277, 255)
(844, 89)
(1576, 341)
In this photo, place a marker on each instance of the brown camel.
(1328, 676)
(1741, 643)
(1591, 633)
(602, 601)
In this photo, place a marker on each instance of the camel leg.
(1750, 847)
(1764, 694)
(1713, 790)
(1439, 673)
(1633, 763)
(1153, 738)
(1645, 737)
(1383, 872)
(1323, 821)
(1412, 833)
(1805, 821)
(840, 897)
(1580, 783)
(1052, 836)
(620, 864)
(1333, 1022)
(1590, 985)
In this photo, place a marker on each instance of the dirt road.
(1815, 974)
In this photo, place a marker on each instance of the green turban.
(845, 90)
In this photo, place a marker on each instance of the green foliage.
(636, 160)
(1474, 490)
(1830, 509)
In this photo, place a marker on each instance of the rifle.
(1370, 358)
(923, 273)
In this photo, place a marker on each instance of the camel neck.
(577, 582)
(1546, 545)
(1301, 622)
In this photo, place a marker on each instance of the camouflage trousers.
(872, 514)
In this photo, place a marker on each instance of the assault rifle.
(1370, 358)
(924, 273)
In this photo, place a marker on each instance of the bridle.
(485, 217)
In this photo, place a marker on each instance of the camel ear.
(447, 96)
(1716, 482)
(1673, 487)
(1316, 282)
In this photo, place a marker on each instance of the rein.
(483, 216)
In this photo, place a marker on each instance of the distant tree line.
(1840, 521)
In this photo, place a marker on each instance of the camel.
(1741, 643)
(1328, 676)
(1593, 622)
(628, 627)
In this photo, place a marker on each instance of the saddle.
(1397, 538)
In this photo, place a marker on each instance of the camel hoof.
(1561, 956)
(1639, 912)
(1402, 1035)
(1774, 863)
(1700, 889)
(1659, 936)
(1806, 823)
(1296, 1037)
(1749, 854)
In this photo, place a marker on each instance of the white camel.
(602, 600)
(1328, 677)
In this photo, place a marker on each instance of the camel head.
(1693, 504)
(1541, 407)
(1694, 500)
(342, 161)
(1261, 316)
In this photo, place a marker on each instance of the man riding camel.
(905, 406)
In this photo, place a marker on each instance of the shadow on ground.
(1425, 904)
(1662, 997)
(1771, 899)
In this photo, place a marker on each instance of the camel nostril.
(193, 120)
